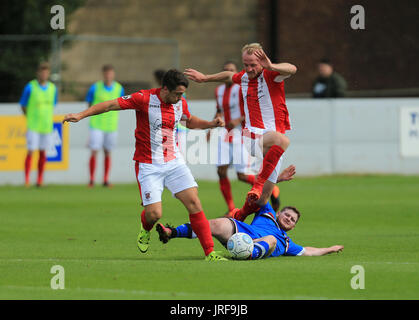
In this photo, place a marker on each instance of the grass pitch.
(92, 234)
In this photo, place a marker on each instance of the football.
(240, 245)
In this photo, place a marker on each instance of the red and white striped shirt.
(264, 102)
(227, 98)
(155, 135)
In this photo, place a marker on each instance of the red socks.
(248, 208)
(147, 226)
(268, 166)
(201, 227)
(225, 188)
(28, 161)
(41, 166)
(107, 168)
(92, 167)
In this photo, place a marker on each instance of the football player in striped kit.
(231, 150)
(158, 162)
(266, 117)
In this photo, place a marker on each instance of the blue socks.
(185, 231)
(260, 249)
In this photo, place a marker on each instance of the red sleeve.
(185, 110)
(237, 77)
(132, 101)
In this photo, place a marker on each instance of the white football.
(240, 245)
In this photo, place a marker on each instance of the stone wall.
(208, 32)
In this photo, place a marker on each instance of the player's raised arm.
(285, 69)
(312, 252)
(199, 77)
(197, 123)
(110, 105)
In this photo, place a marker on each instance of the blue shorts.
(252, 231)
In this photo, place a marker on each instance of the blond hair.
(250, 48)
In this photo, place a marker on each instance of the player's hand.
(218, 122)
(72, 117)
(287, 174)
(195, 75)
(336, 249)
(263, 59)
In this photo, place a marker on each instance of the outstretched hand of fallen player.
(287, 174)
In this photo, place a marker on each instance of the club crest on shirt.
(126, 97)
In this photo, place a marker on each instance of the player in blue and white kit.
(268, 231)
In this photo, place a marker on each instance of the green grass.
(92, 234)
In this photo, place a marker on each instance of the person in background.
(329, 83)
(38, 100)
(103, 127)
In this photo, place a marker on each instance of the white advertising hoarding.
(409, 131)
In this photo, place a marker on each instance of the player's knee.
(285, 142)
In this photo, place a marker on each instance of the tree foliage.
(19, 59)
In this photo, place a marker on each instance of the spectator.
(38, 101)
(329, 83)
(103, 129)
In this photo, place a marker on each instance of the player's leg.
(223, 162)
(28, 163)
(45, 141)
(273, 145)
(32, 144)
(221, 228)
(199, 222)
(149, 216)
(246, 178)
(183, 186)
(263, 247)
(150, 179)
(269, 187)
(108, 145)
(96, 138)
(225, 186)
(242, 162)
(106, 167)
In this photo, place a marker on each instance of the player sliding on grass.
(266, 117)
(158, 163)
(268, 231)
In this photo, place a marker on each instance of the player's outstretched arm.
(197, 123)
(285, 69)
(199, 77)
(93, 110)
(312, 252)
